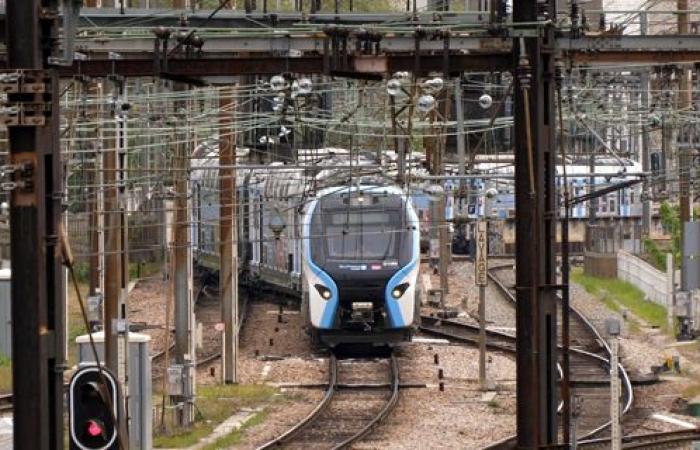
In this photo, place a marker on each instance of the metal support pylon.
(536, 314)
(35, 185)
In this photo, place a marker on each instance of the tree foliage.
(671, 221)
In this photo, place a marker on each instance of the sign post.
(481, 277)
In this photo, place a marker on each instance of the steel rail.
(653, 440)
(388, 407)
(313, 415)
(509, 442)
(333, 388)
(435, 326)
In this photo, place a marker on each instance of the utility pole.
(121, 109)
(613, 328)
(535, 199)
(93, 196)
(683, 140)
(228, 273)
(646, 163)
(182, 280)
(438, 226)
(38, 330)
(113, 242)
(593, 203)
(461, 143)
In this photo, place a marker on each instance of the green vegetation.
(617, 294)
(136, 270)
(5, 375)
(234, 437)
(214, 405)
(670, 220)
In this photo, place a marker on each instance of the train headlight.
(323, 291)
(399, 290)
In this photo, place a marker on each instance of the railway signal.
(93, 400)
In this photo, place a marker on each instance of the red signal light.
(94, 429)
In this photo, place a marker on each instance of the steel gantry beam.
(301, 53)
(137, 41)
(270, 65)
(226, 18)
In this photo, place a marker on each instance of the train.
(347, 246)
(624, 203)
(310, 230)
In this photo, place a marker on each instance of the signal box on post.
(93, 407)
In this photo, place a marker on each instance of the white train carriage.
(373, 297)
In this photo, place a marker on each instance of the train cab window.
(361, 235)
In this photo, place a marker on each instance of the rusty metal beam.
(38, 331)
(237, 66)
(609, 57)
(536, 311)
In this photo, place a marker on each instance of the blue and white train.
(361, 258)
(349, 250)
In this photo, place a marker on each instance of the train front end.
(361, 266)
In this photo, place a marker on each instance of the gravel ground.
(464, 296)
(420, 412)
(458, 415)
(147, 305)
(455, 418)
(640, 348)
(279, 353)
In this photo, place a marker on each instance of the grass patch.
(136, 270)
(5, 375)
(234, 437)
(214, 404)
(179, 439)
(617, 294)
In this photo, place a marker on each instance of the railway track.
(201, 360)
(349, 413)
(455, 331)
(589, 361)
(647, 441)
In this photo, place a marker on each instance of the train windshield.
(362, 235)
